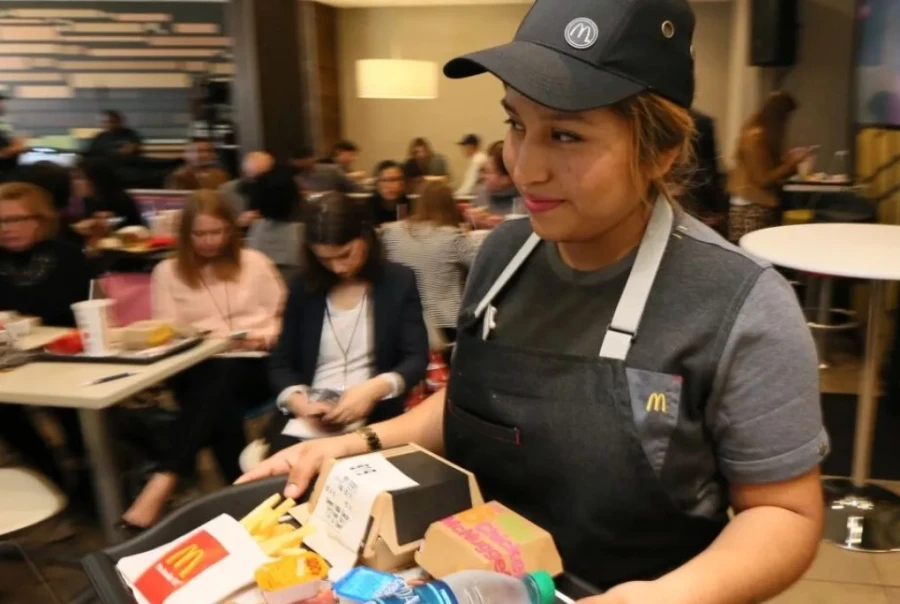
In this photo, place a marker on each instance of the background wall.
(821, 79)
(383, 128)
(62, 62)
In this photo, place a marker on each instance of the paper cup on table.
(92, 317)
(805, 168)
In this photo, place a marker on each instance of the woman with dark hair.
(390, 196)
(275, 203)
(431, 243)
(624, 378)
(212, 284)
(352, 334)
(421, 159)
(102, 194)
(498, 194)
(761, 165)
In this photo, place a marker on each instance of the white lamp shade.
(396, 79)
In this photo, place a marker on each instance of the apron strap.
(624, 325)
(517, 261)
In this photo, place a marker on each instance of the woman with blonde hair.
(623, 377)
(761, 166)
(431, 242)
(214, 285)
(42, 276)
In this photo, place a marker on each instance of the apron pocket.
(499, 432)
(655, 403)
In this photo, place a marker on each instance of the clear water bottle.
(479, 587)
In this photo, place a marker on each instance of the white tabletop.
(62, 384)
(862, 251)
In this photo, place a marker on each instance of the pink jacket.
(253, 303)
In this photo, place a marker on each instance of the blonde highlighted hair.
(38, 202)
(187, 264)
(659, 128)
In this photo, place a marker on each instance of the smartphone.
(238, 335)
(324, 395)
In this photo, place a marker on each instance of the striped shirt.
(440, 257)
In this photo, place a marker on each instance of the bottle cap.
(545, 586)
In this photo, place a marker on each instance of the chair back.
(131, 292)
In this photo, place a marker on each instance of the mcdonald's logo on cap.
(656, 403)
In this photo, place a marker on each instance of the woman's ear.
(663, 163)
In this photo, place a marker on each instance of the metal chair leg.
(12, 546)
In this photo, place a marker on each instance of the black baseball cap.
(575, 55)
(470, 139)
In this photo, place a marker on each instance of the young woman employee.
(623, 376)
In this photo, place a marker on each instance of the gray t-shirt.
(722, 336)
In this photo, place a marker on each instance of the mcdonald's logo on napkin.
(179, 566)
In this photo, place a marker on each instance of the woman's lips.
(538, 205)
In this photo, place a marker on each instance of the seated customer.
(39, 276)
(212, 284)
(431, 242)
(57, 181)
(389, 199)
(275, 228)
(101, 194)
(352, 324)
(498, 195)
(201, 169)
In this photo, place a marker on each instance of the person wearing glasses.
(389, 203)
(41, 275)
(623, 376)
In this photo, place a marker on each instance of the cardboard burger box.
(399, 519)
(491, 537)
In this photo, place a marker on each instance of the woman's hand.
(304, 461)
(248, 218)
(301, 406)
(357, 402)
(252, 344)
(637, 592)
(795, 156)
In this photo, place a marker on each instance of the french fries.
(274, 538)
(272, 546)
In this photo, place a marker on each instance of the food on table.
(147, 334)
(69, 343)
(134, 237)
(109, 243)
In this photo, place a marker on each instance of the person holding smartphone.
(623, 377)
(218, 287)
(353, 341)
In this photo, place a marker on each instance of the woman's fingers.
(311, 409)
(276, 465)
(300, 478)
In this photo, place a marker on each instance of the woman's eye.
(514, 125)
(566, 137)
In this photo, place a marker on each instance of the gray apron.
(554, 436)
